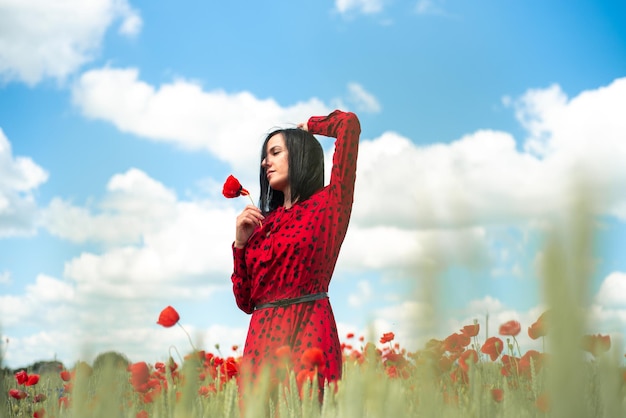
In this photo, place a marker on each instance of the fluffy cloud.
(612, 293)
(135, 204)
(484, 177)
(19, 178)
(185, 115)
(41, 38)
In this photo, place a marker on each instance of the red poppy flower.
(139, 375)
(21, 377)
(497, 395)
(469, 356)
(533, 356)
(539, 327)
(64, 402)
(471, 330)
(65, 376)
(305, 376)
(510, 365)
(511, 328)
(40, 413)
(312, 358)
(387, 336)
(283, 352)
(596, 344)
(168, 317)
(350, 335)
(493, 347)
(232, 188)
(455, 343)
(33, 379)
(543, 402)
(18, 394)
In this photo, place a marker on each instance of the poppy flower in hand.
(168, 317)
(233, 188)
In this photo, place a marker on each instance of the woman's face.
(276, 163)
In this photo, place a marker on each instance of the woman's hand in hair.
(246, 222)
(304, 126)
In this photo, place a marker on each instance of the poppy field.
(469, 373)
(460, 375)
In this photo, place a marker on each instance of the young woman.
(285, 251)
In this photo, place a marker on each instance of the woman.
(285, 251)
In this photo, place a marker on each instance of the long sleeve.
(345, 127)
(242, 285)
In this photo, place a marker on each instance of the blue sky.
(120, 120)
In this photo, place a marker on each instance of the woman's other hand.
(304, 126)
(246, 222)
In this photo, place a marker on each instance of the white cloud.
(612, 292)
(19, 178)
(362, 99)
(183, 114)
(484, 178)
(43, 38)
(134, 205)
(5, 277)
(361, 6)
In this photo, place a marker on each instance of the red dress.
(294, 254)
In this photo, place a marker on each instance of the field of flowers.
(457, 376)
(577, 374)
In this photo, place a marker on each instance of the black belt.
(286, 302)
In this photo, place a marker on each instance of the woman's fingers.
(250, 218)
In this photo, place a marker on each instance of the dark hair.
(306, 168)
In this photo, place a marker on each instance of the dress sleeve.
(241, 282)
(346, 128)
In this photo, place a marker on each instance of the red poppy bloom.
(18, 394)
(305, 376)
(539, 327)
(510, 364)
(471, 330)
(21, 377)
(387, 336)
(283, 353)
(596, 344)
(469, 356)
(497, 395)
(139, 375)
(168, 317)
(533, 356)
(511, 328)
(493, 347)
(33, 379)
(312, 358)
(40, 413)
(65, 376)
(455, 343)
(232, 188)
(64, 402)
(350, 335)
(543, 402)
